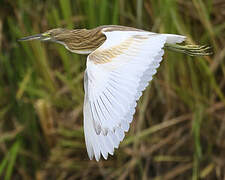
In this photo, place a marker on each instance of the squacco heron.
(120, 64)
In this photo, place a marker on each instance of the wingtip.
(97, 157)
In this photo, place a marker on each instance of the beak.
(41, 37)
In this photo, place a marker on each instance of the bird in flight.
(120, 64)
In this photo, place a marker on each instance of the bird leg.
(191, 50)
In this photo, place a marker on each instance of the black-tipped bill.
(41, 37)
(30, 38)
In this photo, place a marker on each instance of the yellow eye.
(46, 34)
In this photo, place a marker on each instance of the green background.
(178, 131)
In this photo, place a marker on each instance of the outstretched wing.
(117, 73)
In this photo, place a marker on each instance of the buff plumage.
(120, 65)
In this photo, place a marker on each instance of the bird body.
(120, 65)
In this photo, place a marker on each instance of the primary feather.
(117, 73)
(121, 63)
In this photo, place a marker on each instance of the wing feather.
(117, 73)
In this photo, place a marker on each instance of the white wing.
(117, 73)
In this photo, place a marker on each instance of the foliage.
(178, 130)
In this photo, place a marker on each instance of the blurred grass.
(179, 129)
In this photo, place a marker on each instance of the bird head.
(81, 41)
(56, 35)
